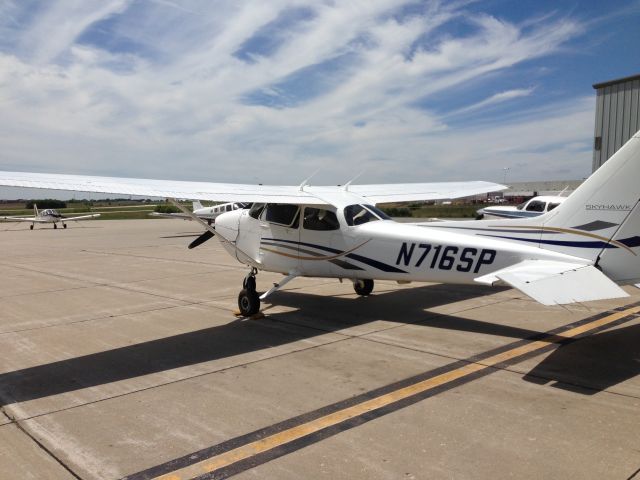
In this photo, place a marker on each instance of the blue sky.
(269, 92)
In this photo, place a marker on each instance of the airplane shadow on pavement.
(316, 315)
(592, 364)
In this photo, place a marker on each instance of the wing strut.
(279, 285)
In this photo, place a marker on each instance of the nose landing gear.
(248, 299)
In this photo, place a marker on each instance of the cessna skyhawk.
(48, 216)
(577, 252)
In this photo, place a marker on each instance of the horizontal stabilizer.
(556, 283)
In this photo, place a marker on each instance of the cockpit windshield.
(361, 214)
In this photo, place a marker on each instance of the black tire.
(30, 227)
(55, 225)
(363, 287)
(248, 302)
(249, 283)
(64, 225)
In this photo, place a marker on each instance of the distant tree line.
(46, 203)
(166, 208)
(397, 211)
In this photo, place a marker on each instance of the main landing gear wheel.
(363, 287)
(64, 225)
(30, 227)
(55, 225)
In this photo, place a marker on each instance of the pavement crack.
(45, 449)
(635, 475)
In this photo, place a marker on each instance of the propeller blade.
(201, 239)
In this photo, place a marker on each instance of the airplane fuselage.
(381, 249)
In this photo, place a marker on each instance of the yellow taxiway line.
(282, 438)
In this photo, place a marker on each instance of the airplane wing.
(183, 216)
(24, 219)
(412, 192)
(556, 283)
(81, 217)
(229, 192)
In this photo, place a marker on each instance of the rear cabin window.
(282, 214)
(551, 206)
(536, 206)
(319, 219)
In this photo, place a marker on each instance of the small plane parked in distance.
(577, 252)
(206, 213)
(48, 216)
(531, 208)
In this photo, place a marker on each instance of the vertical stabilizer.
(602, 215)
(35, 210)
(197, 205)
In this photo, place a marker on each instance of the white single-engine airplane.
(48, 216)
(206, 213)
(577, 252)
(531, 208)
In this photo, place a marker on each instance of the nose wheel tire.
(55, 225)
(64, 225)
(363, 287)
(30, 227)
(248, 302)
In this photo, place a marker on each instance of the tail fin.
(197, 205)
(600, 220)
(35, 210)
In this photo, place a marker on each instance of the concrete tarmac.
(121, 356)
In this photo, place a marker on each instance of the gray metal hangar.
(617, 117)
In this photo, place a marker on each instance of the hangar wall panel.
(617, 117)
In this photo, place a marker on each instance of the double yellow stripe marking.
(295, 433)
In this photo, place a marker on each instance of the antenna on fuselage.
(305, 182)
(346, 185)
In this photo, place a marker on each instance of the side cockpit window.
(536, 206)
(283, 214)
(319, 219)
(360, 214)
(256, 209)
(551, 206)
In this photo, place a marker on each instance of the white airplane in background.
(577, 252)
(206, 213)
(48, 216)
(531, 208)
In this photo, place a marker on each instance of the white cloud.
(495, 99)
(169, 102)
